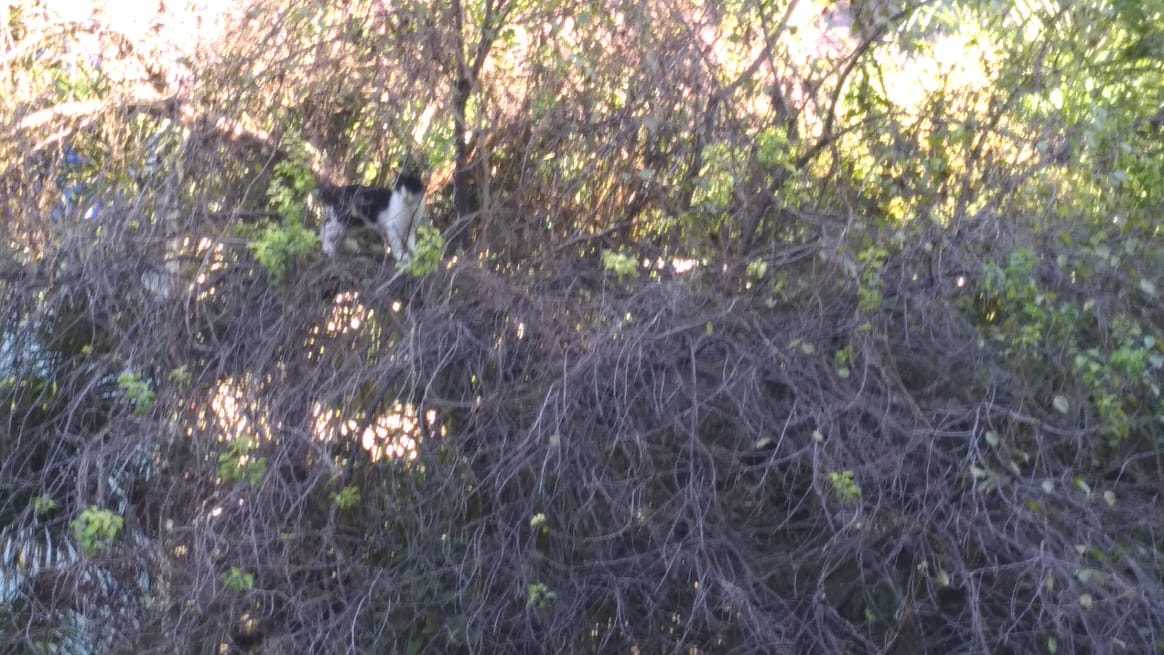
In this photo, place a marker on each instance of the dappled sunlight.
(211, 259)
(164, 32)
(819, 31)
(347, 316)
(684, 264)
(958, 63)
(393, 434)
(189, 260)
(235, 411)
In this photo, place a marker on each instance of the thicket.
(735, 333)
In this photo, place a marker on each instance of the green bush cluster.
(348, 497)
(539, 595)
(138, 392)
(1122, 381)
(844, 486)
(238, 463)
(1118, 366)
(872, 261)
(95, 529)
(239, 580)
(430, 247)
(280, 245)
(621, 264)
(1016, 309)
(43, 505)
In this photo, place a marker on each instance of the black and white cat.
(396, 213)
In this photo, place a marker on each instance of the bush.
(95, 529)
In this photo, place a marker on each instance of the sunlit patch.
(957, 61)
(176, 264)
(347, 315)
(213, 259)
(234, 411)
(520, 330)
(392, 434)
(683, 265)
(965, 58)
(159, 40)
(818, 33)
(322, 422)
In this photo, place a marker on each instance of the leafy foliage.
(95, 529)
(430, 247)
(238, 580)
(239, 464)
(348, 497)
(138, 392)
(540, 595)
(280, 246)
(43, 505)
(872, 260)
(621, 264)
(845, 486)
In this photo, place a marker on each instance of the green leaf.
(42, 505)
(348, 497)
(237, 579)
(1083, 486)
